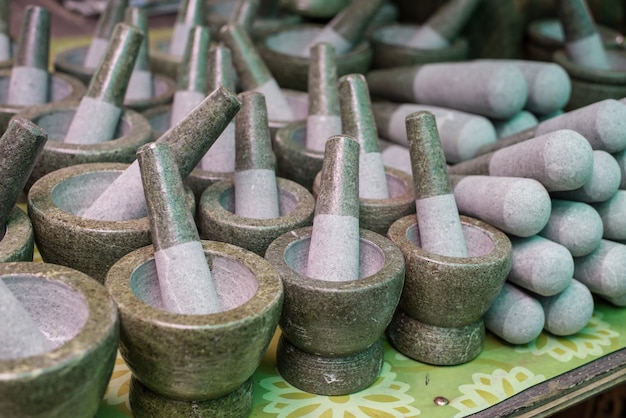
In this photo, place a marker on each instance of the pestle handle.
(140, 85)
(192, 74)
(358, 122)
(256, 191)
(438, 220)
(184, 276)
(112, 14)
(324, 117)
(334, 248)
(189, 140)
(30, 81)
(99, 111)
(20, 146)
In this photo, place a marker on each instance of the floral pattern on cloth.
(590, 341)
(489, 389)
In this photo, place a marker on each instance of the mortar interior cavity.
(371, 257)
(395, 186)
(59, 311)
(292, 42)
(77, 193)
(57, 122)
(479, 243)
(235, 282)
(160, 121)
(287, 200)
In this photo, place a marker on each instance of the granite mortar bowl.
(88, 245)
(80, 320)
(70, 61)
(389, 49)
(282, 51)
(17, 239)
(545, 36)
(218, 221)
(293, 160)
(146, 404)
(439, 317)
(219, 12)
(196, 357)
(590, 85)
(63, 87)
(379, 214)
(331, 331)
(132, 132)
(337, 318)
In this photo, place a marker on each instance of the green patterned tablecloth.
(407, 388)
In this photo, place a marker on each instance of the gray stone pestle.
(183, 272)
(190, 139)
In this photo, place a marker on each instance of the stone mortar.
(590, 85)
(221, 350)
(17, 240)
(63, 88)
(446, 293)
(336, 322)
(389, 50)
(132, 132)
(293, 160)
(280, 51)
(80, 318)
(87, 245)
(219, 222)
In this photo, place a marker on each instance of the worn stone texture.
(329, 376)
(440, 346)
(18, 239)
(146, 404)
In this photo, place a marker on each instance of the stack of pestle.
(489, 88)
(190, 14)
(256, 190)
(99, 111)
(582, 41)
(520, 122)
(346, 29)
(112, 15)
(461, 134)
(30, 79)
(253, 72)
(601, 123)
(560, 160)
(21, 144)
(183, 273)
(443, 26)
(140, 85)
(191, 137)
